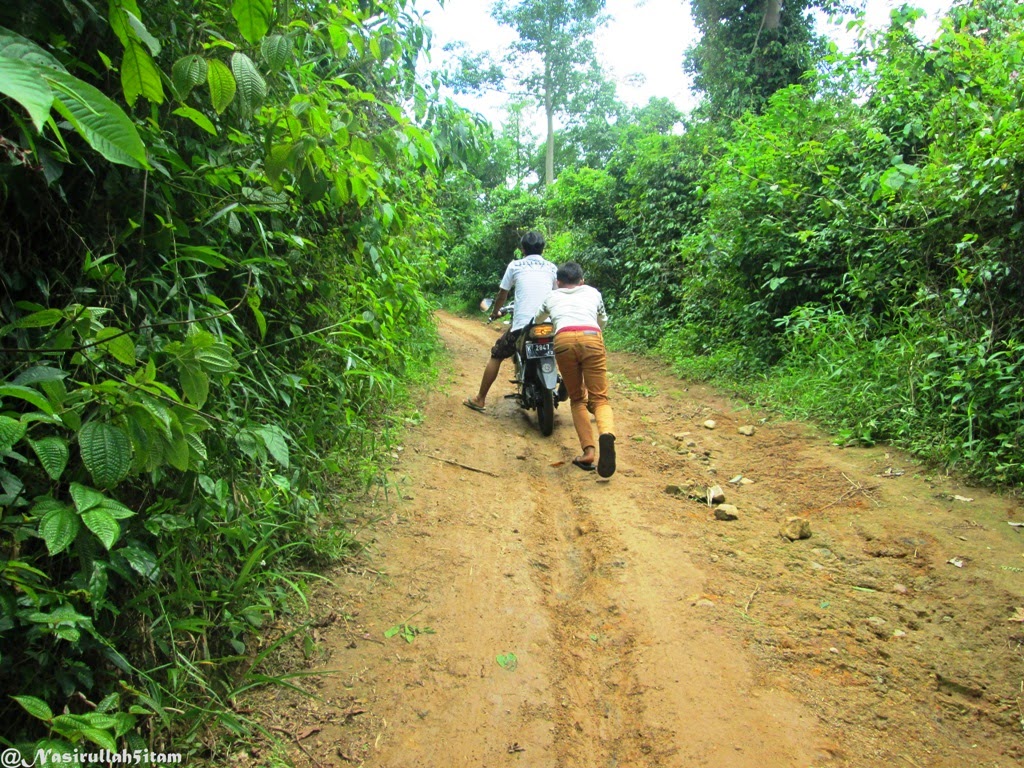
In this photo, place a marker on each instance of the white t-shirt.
(533, 279)
(582, 306)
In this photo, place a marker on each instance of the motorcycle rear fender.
(548, 379)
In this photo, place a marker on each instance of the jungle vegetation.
(224, 222)
(219, 224)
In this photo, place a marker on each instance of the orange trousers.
(583, 364)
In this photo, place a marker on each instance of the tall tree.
(751, 48)
(557, 49)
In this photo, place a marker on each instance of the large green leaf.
(161, 416)
(142, 432)
(187, 73)
(12, 487)
(40, 374)
(252, 88)
(276, 51)
(35, 707)
(254, 18)
(116, 509)
(222, 84)
(143, 34)
(53, 454)
(278, 160)
(27, 394)
(276, 441)
(248, 444)
(195, 383)
(44, 318)
(85, 498)
(261, 320)
(140, 75)
(216, 358)
(106, 452)
(11, 431)
(118, 11)
(102, 123)
(176, 451)
(199, 119)
(59, 527)
(103, 524)
(195, 442)
(141, 559)
(118, 343)
(14, 46)
(20, 80)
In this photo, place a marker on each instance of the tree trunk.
(771, 19)
(549, 113)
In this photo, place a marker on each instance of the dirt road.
(553, 619)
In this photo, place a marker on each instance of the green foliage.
(38, 82)
(953, 398)
(748, 51)
(880, 236)
(479, 260)
(221, 247)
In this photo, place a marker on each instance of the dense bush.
(891, 227)
(219, 224)
(478, 260)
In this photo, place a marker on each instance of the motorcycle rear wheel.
(546, 411)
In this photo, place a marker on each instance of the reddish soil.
(645, 631)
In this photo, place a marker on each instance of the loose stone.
(796, 528)
(726, 512)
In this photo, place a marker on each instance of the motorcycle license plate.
(539, 350)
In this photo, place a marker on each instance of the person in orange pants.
(578, 313)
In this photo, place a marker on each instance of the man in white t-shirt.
(579, 316)
(532, 278)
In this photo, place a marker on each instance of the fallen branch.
(298, 744)
(751, 598)
(847, 494)
(465, 466)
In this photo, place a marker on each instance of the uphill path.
(547, 618)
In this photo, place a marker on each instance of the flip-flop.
(606, 455)
(586, 466)
(473, 406)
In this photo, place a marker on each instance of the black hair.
(570, 273)
(532, 243)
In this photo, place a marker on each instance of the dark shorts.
(505, 346)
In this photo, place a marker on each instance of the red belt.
(579, 329)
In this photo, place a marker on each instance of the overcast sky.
(643, 37)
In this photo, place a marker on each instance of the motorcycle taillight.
(542, 332)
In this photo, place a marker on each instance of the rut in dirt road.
(560, 620)
(599, 713)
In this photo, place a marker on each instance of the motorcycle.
(538, 385)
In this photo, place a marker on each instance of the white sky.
(644, 37)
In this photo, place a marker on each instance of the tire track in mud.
(599, 720)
